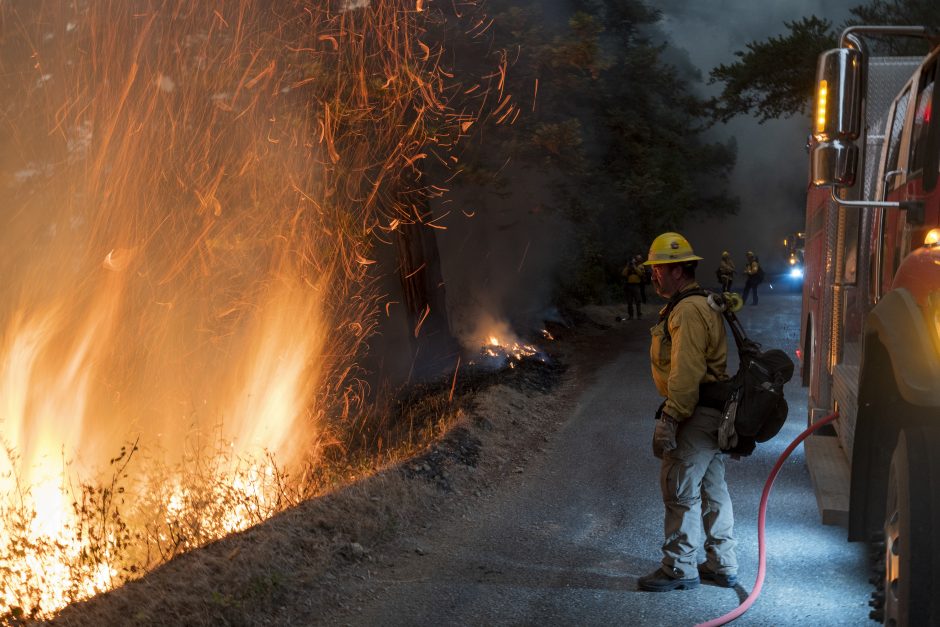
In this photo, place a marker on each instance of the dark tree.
(774, 78)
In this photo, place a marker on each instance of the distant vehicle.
(870, 337)
(795, 244)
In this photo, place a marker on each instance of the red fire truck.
(870, 339)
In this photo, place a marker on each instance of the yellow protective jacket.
(633, 273)
(696, 352)
(726, 267)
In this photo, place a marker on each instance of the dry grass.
(294, 568)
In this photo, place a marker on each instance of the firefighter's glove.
(664, 435)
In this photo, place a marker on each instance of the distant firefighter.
(725, 271)
(633, 273)
(754, 274)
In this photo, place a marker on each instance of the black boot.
(725, 581)
(661, 581)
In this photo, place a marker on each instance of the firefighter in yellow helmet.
(725, 271)
(753, 276)
(688, 355)
(633, 275)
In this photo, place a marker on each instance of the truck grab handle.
(886, 204)
(895, 31)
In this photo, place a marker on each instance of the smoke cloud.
(500, 263)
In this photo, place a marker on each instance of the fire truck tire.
(911, 538)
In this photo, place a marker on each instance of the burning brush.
(496, 353)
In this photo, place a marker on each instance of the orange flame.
(186, 247)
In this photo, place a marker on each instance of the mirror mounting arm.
(860, 204)
(915, 208)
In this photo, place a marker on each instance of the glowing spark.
(409, 161)
(415, 271)
(453, 383)
(524, 254)
(424, 315)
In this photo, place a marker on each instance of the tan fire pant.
(696, 497)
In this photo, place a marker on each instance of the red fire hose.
(761, 516)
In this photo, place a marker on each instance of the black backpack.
(756, 403)
(752, 398)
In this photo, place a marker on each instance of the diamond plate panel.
(886, 78)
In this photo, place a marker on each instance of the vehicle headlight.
(796, 272)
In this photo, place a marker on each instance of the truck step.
(829, 470)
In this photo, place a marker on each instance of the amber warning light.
(821, 98)
(932, 238)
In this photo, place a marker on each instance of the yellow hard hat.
(670, 248)
(725, 254)
(749, 254)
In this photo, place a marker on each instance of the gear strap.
(746, 346)
(671, 304)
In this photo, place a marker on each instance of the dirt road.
(564, 542)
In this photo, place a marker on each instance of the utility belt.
(714, 394)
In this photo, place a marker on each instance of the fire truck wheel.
(910, 505)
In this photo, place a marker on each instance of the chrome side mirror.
(834, 163)
(838, 118)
